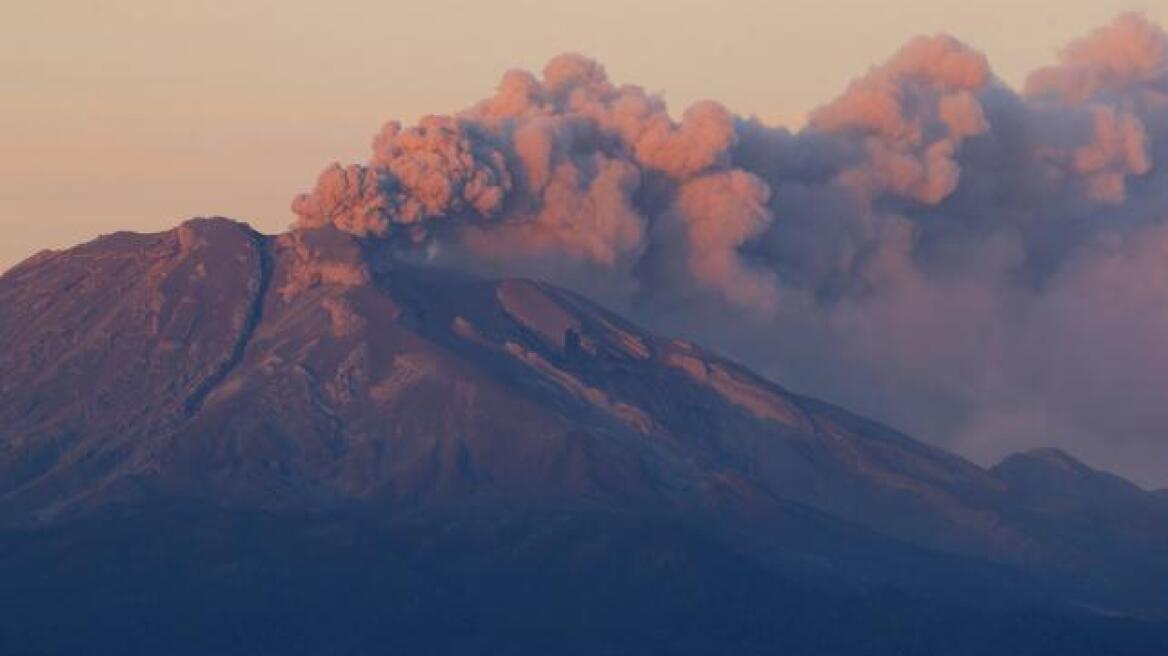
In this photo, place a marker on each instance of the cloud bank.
(979, 266)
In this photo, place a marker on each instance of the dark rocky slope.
(340, 400)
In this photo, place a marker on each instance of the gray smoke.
(981, 267)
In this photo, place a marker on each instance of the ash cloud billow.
(979, 266)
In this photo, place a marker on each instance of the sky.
(137, 114)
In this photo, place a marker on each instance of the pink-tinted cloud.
(934, 249)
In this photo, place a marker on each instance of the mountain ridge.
(562, 339)
(307, 375)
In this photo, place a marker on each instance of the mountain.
(210, 436)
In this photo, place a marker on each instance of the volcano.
(218, 441)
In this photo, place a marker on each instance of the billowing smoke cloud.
(978, 266)
(910, 117)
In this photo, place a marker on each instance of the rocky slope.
(215, 366)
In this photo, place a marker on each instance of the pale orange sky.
(137, 114)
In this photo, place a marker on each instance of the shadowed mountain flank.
(234, 402)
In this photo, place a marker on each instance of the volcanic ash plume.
(974, 264)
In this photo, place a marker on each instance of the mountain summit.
(494, 446)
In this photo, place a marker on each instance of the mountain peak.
(270, 371)
(1051, 457)
(302, 371)
(1051, 470)
(310, 375)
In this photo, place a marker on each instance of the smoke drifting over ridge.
(978, 266)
